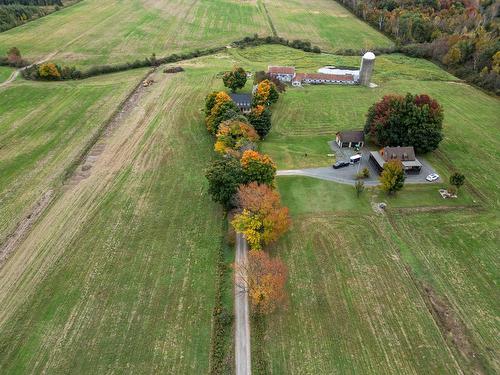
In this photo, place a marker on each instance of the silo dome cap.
(369, 56)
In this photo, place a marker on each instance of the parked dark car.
(340, 164)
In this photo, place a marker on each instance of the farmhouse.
(350, 138)
(406, 155)
(242, 101)
(283, 73)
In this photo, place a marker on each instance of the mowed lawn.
(43, 128)
(119, 275)
(98, 32)
(323, 22)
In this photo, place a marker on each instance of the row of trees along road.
(243, 181)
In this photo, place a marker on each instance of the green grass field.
(119, 274)
(458, 253)
(5, 73)
(88, 33)
(323, 22)
(43, 128)
(355, 305)
(97, 32)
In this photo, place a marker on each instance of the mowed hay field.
(325, 23)
(353, 308)
(98, 32)
(44, 127)
(119, 274)
(458, 254)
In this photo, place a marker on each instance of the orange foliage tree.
(233, 136)
(258, 167)
(264, 278)
(265, 94)
(263, 220)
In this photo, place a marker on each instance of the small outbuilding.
(350, 138)
(242, 101)
(406, 155)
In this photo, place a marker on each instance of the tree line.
(16, 12)
(462, 35)
(51, 71)
(243, 180)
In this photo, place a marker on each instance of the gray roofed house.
(350, 138)
(243, 101)
(406, 155)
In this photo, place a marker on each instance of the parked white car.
(432, 177)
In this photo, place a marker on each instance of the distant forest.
(16, 12)
(463, 35)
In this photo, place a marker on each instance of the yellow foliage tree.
(233, 135)
(49, 71)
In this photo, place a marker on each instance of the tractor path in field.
(241, 309)
(38, 247)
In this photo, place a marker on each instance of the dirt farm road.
(241, 309)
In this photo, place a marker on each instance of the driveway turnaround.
(347, 175)
(241, 310)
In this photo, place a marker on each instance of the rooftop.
(354, 136)
(319, 76)
(281, 70)
(241, 98)
(398, 153)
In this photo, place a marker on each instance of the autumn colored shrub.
(49, 71)
(258, 167)
(392, 177)
(233, 136)
(411, 120)
(264, 278)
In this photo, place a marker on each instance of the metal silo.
(365, 73)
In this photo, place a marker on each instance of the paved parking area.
(347, 175)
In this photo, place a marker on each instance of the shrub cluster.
(256, 40)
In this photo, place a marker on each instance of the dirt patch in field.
(453, 329)
(24, 226)
(84, 169)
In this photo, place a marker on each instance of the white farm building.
(327, 74)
